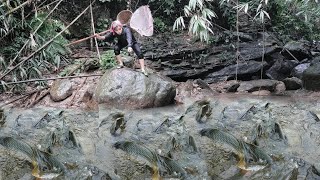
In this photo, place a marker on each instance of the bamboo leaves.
(200, 16)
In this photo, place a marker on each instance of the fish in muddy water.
(2, 117)
(45, 166)
(254, 167)
(192, 143)
(118, 123)
(44, 175)
(111, 117)
(205, 110)
(199, 103)
(158, 163)
(314, 116)
(243, 149)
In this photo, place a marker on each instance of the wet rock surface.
(285, 128)
(126, 88)
(259, 56)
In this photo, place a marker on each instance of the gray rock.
(261, 84)
(311, 77)
(254, 50)
(126, 88)
(242, 69)
(60, 90)
(298, 70)
(293, 83)
(281, 69)
(280, 88)
(299, 49)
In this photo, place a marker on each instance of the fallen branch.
(32, 98)
(291, 54)
(39, 98)
(46, 44)
(23, 96)
(48, 79)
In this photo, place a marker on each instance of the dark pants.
(135, 47)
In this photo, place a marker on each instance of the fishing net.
(141, 20)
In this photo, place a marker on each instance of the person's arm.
(108, 37)
(129, 36)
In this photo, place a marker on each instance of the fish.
(205, 110)
(254, 167)
(44, 164)
(2, 117)
(158, 163)
(243, 149)
(43, 175)
(118, 123)
(192, 143)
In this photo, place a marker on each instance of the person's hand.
(99, 37)
(130, 49)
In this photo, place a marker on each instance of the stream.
(285, 128)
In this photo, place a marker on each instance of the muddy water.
(286, 128)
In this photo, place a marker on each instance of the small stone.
(60, 90)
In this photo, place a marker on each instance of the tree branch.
(46, 44)
(47, 79)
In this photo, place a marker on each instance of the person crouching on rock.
(125, 38)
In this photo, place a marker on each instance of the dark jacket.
(126, 38)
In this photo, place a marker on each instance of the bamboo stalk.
(25, 44)
(86, 38)
(94, 32)
(48, 79)
(46, 44)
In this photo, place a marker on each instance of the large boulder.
(129, 89)
(281, 69)
(242, 70)
(298, 49)
(311, 76)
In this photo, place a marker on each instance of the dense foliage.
(290, 19)
(21, 33)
